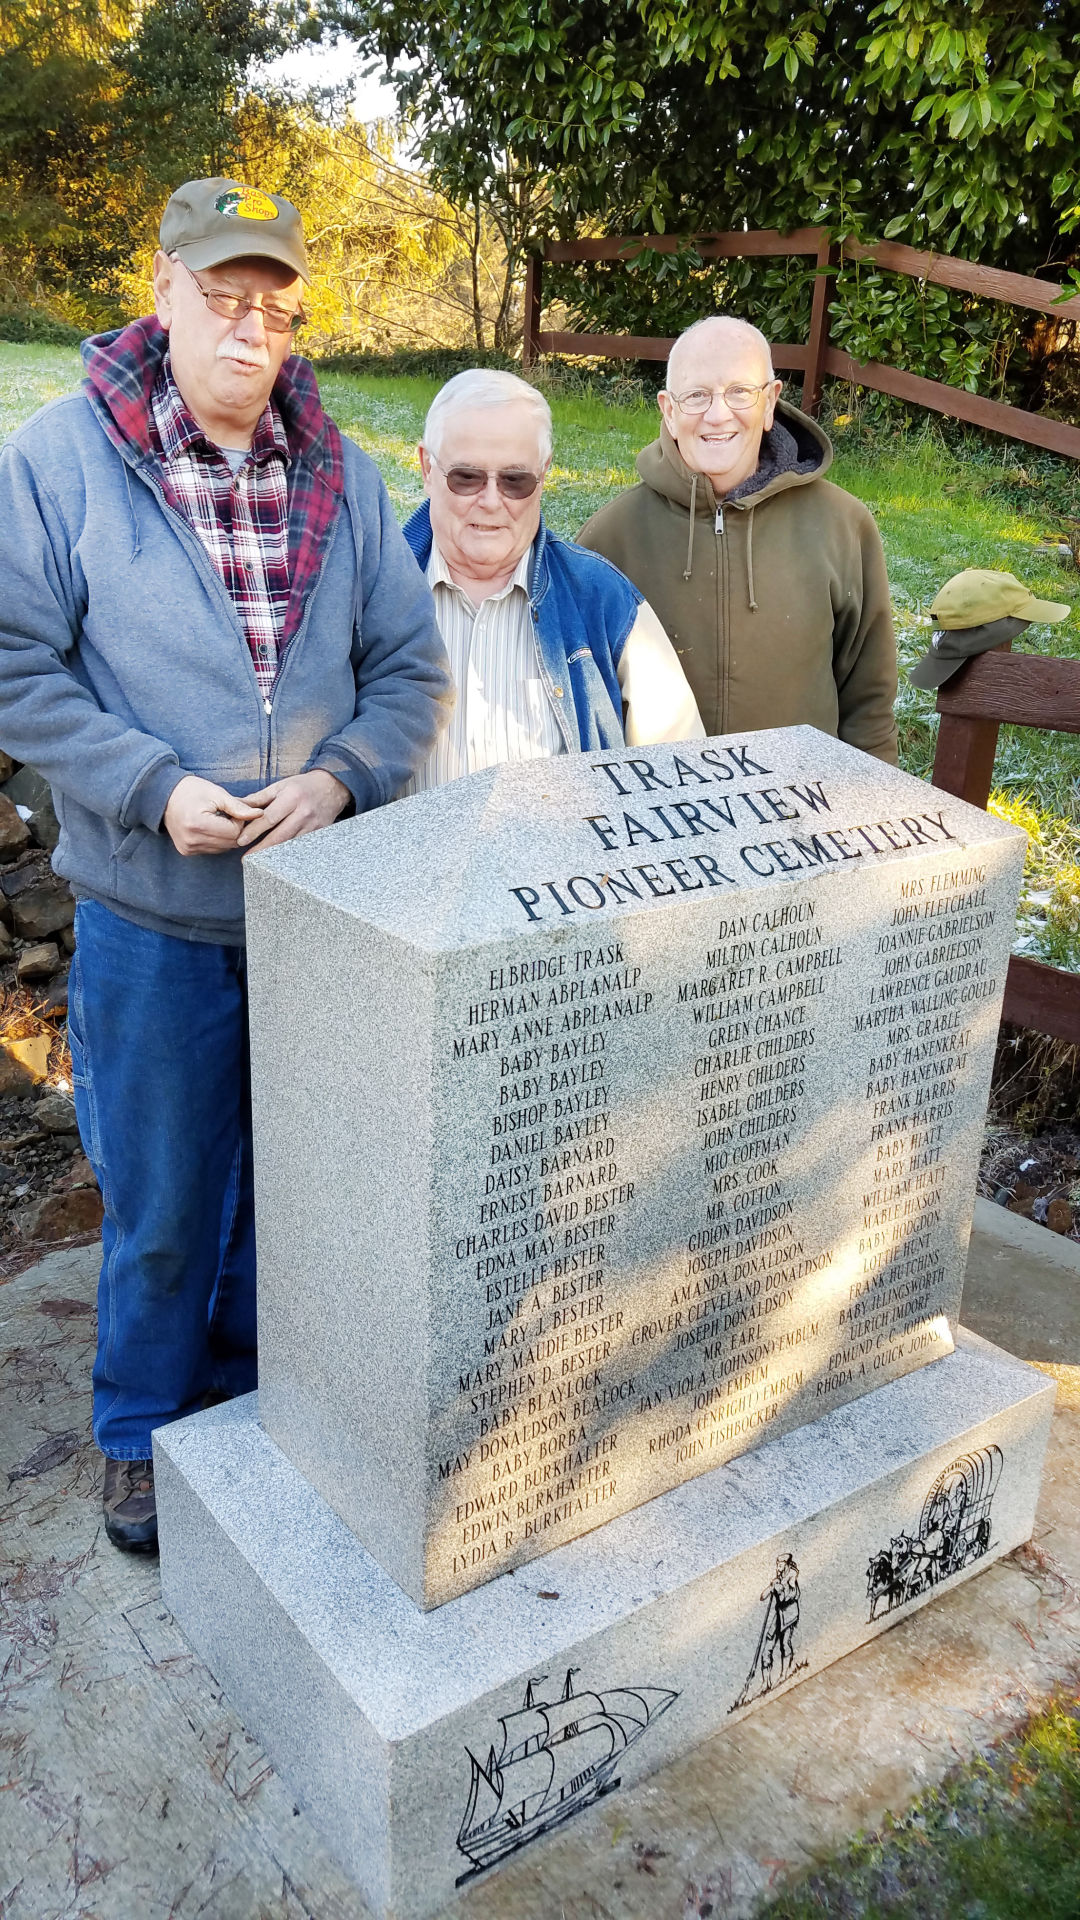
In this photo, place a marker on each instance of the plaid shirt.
(122, 372)
(241, 518)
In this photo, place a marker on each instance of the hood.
(793, 452)
(122, 368)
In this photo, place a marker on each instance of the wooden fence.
(816, 358)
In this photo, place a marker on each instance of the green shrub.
(416, 363)
(25, 325)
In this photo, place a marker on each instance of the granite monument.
(617, 1122)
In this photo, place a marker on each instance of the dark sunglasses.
(515, 483)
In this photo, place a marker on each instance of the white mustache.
(247, 356)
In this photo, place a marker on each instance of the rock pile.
(47, 1188)
(36, 907)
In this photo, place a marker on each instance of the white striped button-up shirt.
(504, 710)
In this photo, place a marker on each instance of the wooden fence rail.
(1027, 690)
(816, 358)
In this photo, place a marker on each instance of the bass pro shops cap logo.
(246, 203)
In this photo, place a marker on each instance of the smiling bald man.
(769, 580)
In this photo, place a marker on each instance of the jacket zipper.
(190, 540)
(202, 562)
(284, 660)
(557, 696)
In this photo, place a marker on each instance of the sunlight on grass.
(1048, 920)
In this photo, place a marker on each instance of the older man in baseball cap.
(212, 636)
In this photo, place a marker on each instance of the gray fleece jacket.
(123, 663)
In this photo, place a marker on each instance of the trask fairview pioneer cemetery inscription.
(661, 1091)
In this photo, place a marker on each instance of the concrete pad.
(133, 1789)
(1022, 1288)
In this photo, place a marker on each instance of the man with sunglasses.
(552, 650)
(770, 580)
(212, 636)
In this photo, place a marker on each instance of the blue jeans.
(160, 1067)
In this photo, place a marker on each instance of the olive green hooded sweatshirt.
(774, 597)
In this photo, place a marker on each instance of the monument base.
(430, 1747)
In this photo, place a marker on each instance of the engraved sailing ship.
(557, 1757)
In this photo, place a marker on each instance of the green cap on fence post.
(975, 611)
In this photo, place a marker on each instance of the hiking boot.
(130, 1508)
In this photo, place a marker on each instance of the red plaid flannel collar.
(180, 431)
(121, 372)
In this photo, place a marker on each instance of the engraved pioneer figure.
(557, 1757)
(954, 1530)
(774, 1658)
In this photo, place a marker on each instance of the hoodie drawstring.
(689, 567)
(690, 543)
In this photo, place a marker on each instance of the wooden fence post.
(966, 748)
(818, 341)
(534, 283)
(964, 761)
(1030, 690)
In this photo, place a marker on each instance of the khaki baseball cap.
(980, 594)
(951, 646)
(210, 221)
(974, 612)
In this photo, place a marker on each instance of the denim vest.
(583, 609)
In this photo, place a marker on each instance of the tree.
(186, 72)
(388, 254)
(105, 109)
(58, 89)
(948, 124)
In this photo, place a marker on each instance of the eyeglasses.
(514, 483)
(233, 306)
(738, 398)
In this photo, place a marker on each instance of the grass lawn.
(996, 1841)
(937, 512)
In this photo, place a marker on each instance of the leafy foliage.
(184, 77)
(948, 125)
(106, 106)
(57, 91)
